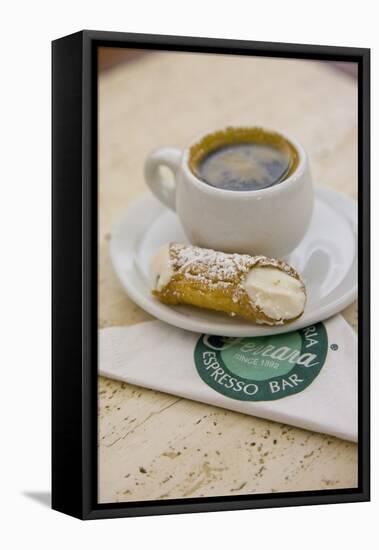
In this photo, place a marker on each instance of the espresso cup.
(270, 221)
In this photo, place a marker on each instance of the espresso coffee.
(243, 159)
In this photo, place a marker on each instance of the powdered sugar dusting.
(211, 267)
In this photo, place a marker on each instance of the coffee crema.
(243, 159)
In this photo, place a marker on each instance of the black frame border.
(74, 327)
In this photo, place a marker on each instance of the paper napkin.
(306, 378)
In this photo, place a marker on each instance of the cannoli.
(259, 289)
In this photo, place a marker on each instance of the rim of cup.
(286, 184)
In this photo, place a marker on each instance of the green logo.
(264, 368)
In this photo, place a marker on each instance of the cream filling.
(160, 268)
(275, 292)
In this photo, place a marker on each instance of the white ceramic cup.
(271, 221)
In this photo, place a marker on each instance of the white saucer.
(326, 259)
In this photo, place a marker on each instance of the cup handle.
(163, 190)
